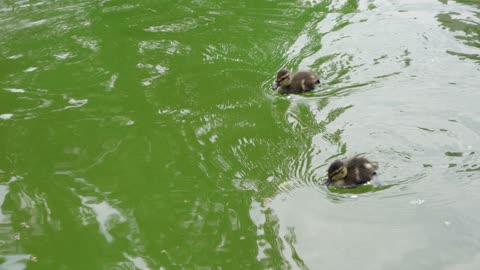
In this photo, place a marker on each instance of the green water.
(144, 134)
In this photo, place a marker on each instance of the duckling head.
(283, 79)
(336, 172)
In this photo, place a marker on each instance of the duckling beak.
(275, 86)
(328, 182)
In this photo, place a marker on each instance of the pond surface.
(144, 134)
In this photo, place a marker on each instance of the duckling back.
(299, 82)
(360, 170)
(303, 81)
(351, 173)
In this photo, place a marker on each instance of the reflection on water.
(146, 136)
(347, 48)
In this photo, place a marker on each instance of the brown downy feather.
(352, 172)
(299, 82)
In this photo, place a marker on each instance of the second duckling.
(298, 82)
(350, 173)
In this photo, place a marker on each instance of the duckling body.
(351, 173)
(298, 82)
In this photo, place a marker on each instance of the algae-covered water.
(144, 134)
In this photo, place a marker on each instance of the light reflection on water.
(146, 135)
(400, 98)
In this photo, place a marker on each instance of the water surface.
(144, 135)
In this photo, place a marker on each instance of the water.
(144, 135)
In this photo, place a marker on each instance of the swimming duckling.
(299, 82)
(351, 173)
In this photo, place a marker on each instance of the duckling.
(298, 82)
(351, 173)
